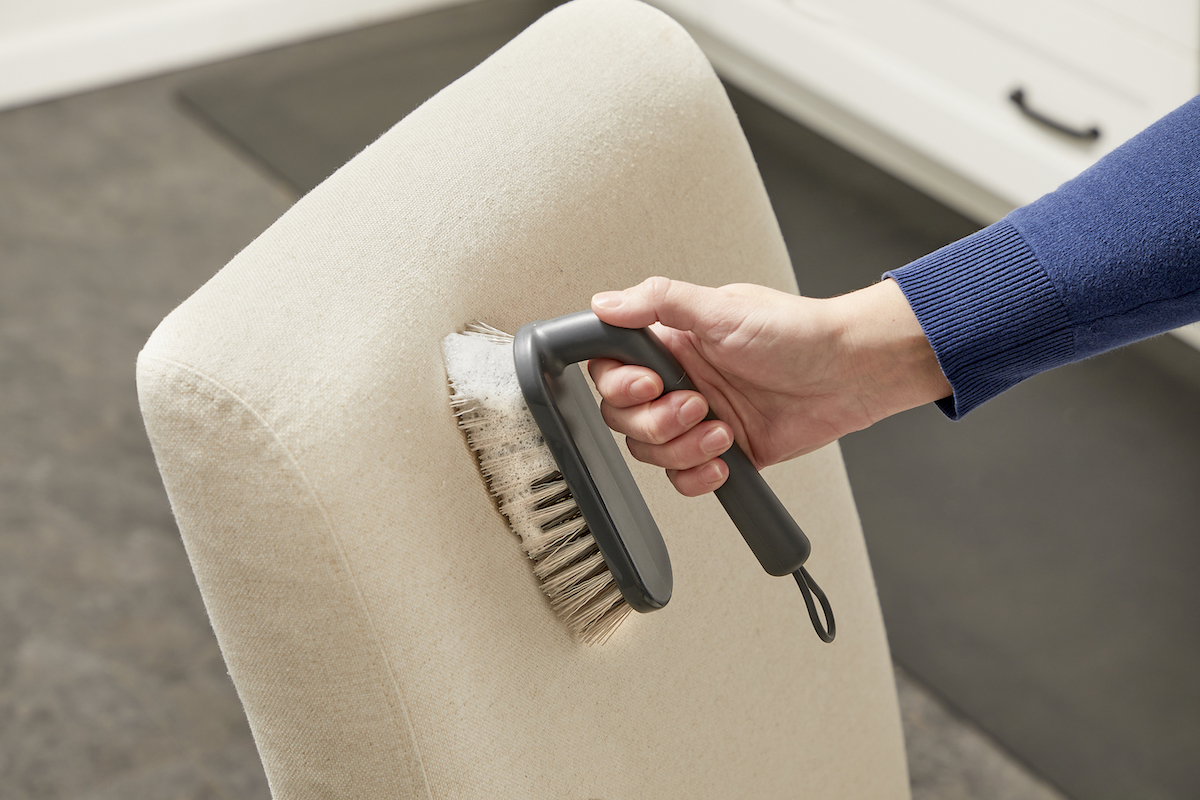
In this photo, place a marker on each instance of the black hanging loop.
(808, 587)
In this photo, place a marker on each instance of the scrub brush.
(552, 464)
(529, 488)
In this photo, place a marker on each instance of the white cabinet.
(925, 87)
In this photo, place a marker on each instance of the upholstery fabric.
(384, 631)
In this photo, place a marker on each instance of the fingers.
(658, 422)
(695, 448)
(669, 431)
(623, 386)
(697, 481)
(675, 304)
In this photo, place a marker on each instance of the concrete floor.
(114, 207)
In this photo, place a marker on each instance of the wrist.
(894, 366)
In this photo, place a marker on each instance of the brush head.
(522, 475)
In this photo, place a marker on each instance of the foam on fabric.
(490, 406)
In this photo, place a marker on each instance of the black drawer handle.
(1089, 135)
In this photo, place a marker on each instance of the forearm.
(1110, 257)
(890, 360)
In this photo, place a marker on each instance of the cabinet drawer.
(1071, 66)
(1176, 21)
(1088, 38)
(924, 86)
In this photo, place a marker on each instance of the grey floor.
(115, 206)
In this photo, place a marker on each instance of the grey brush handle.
(774, 537)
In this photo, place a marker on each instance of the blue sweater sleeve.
(1109, 257)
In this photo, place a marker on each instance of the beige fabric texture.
(384, 631)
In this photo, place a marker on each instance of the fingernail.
(715, 441)
(644, 388)
(692, 411)
(608, 299)
(710, 473)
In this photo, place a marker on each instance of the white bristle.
(522, 476)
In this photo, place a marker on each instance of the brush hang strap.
(808, 587)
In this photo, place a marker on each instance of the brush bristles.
(568, 563)
(522, 476)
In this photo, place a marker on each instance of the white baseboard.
(70, 56)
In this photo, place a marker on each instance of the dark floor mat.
(1037, 565)
(303, 111)
(1035, 562)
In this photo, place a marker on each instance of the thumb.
(676, 304)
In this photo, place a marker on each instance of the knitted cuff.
(990, 312)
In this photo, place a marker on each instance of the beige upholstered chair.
(383, 629)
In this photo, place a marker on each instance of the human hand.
(784, 374)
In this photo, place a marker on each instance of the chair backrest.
(384, 631)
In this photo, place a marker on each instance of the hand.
(785, 375)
